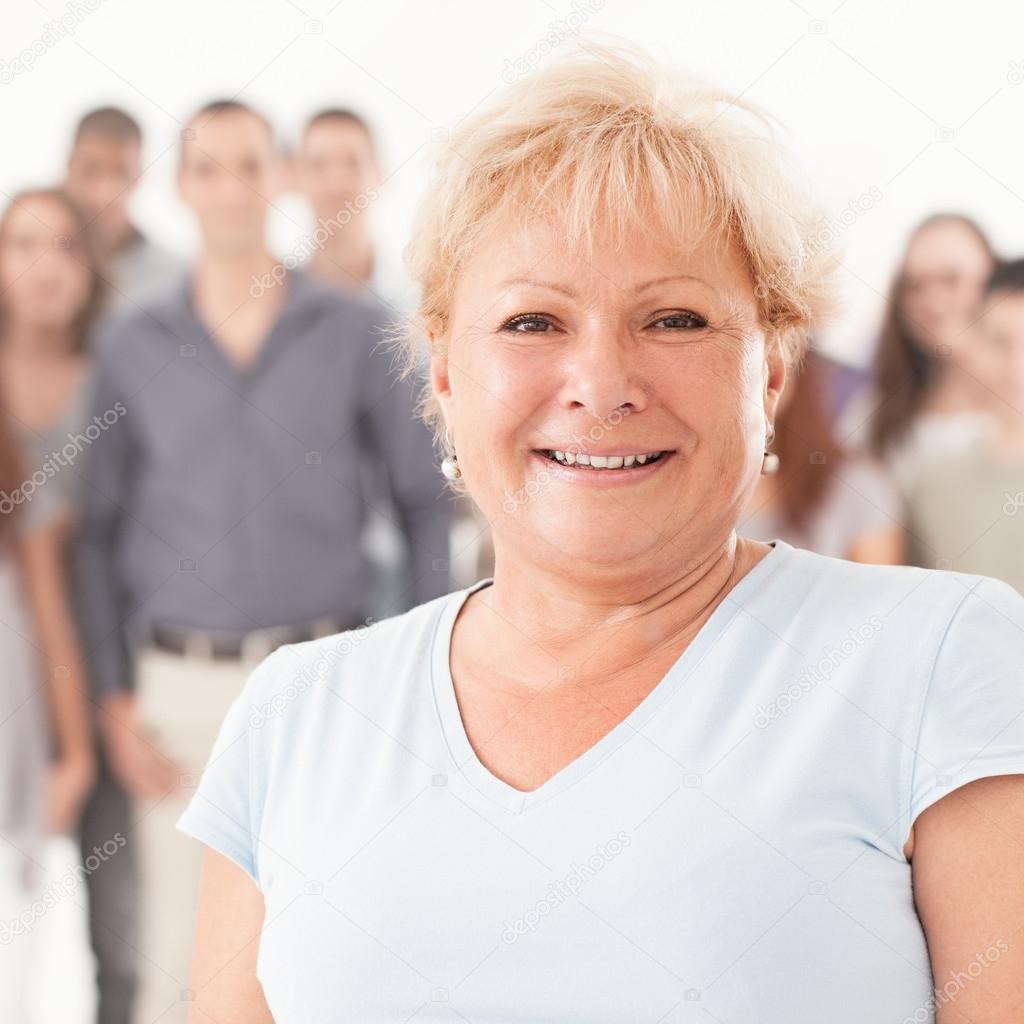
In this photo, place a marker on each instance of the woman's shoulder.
(355, 659)
(916, 603)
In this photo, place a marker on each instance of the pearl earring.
(770, 463)
(450, 463)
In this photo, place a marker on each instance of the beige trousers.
(181, 702)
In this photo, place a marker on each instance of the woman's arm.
(228, 928)
(968, 876)
(41, 552)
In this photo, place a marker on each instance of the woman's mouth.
(608, 469)
(603, 462)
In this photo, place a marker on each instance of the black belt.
(220, 645)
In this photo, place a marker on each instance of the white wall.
(923, 101)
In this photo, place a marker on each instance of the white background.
(920, 100)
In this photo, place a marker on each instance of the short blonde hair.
(606, 136)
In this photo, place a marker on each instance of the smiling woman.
(583, 789)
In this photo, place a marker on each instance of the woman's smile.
(622, 466)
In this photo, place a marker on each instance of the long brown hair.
(12, 476)
(808, 451)
(84, 250)
(903, 368)
(12, 469)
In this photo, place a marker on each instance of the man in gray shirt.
(223, 504)
(104, 168)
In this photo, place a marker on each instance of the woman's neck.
(952, 392)
(230, 275)
(600, 623)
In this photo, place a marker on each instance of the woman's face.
(636, 356)
(44, 280)
(943, 276)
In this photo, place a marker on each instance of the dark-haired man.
(337, 172)
(103, 170)
(224, 517)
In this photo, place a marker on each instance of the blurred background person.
(922, 401)
(48, 292)
(338, 172)
(965, 511)
(52, 296)
(335, 169)
(823, 498)
(224, 513)
(840, 382)
(103, 170)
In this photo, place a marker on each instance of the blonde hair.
(604, 136)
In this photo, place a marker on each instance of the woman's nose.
(603, 373)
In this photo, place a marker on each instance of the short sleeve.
(972, 718)
(225, 810)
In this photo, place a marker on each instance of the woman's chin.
(580, 543)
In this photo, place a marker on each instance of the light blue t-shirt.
(731, 851)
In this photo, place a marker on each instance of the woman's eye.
(681, 321)
(528, 323)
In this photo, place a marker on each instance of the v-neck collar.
(517, 801)
(299, 289)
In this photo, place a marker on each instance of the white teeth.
(602, 461)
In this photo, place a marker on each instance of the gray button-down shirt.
(230, 500)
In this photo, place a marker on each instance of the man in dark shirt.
(223, 504)
(103, 171)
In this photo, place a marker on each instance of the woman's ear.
(776, 373)
(440, 382)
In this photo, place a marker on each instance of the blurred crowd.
(202, 460)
